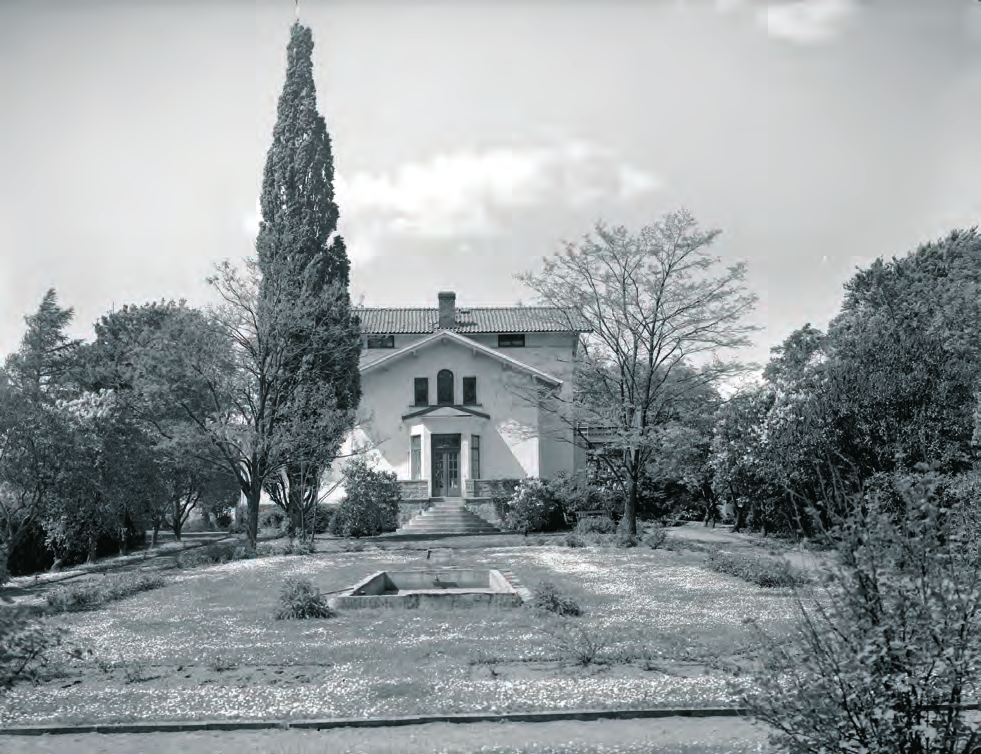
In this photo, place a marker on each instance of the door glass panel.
(438, 475)
(453, 472)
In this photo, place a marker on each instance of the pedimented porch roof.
(448, 336)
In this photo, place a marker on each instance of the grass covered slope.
(658, 627)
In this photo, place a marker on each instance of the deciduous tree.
(657, 305)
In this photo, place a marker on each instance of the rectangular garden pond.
(433, 587)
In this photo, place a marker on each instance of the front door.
(446, 465)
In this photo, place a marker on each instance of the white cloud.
(807, 21)
(472, 193)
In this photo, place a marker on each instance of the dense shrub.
(884, 659)
(655, 535)
(550, 598)
(534, 508)
(90, 594)
(322, 513)
(757, 569)
(216, 552)
(271, 519)
(371, 503)
(224, 516)
(299, 599)
(33, 552)
(595, 525)
(574, 540)
(624, 539)
(575, 493)
(25, 641)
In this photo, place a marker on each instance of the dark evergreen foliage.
(303, 293)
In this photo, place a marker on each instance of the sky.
(472, 138)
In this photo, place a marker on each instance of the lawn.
(660, 624)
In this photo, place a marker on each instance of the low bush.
(534, 508)
(549, 598)
(90, 594)
(299, 600)
(574, 540)
(574, 643)
(299, 547)
(371, 503)
(216, 552)
(655, 536)
(623, 539)
(595, 525)
(757, 569)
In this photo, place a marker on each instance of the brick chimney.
(447, 310)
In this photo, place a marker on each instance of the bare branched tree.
(659, 314)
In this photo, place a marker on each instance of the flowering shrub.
(534, 507)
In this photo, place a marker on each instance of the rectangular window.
(421, 391)
(416, 462)
(469, 391)
(381, 341)
(475, 456)
(511, 341)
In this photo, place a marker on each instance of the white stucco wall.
(513, 443)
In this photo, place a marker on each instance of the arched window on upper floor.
(444, 388)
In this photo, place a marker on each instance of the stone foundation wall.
(414, 489)
(491, 488)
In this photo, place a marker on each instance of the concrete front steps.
(448, 517)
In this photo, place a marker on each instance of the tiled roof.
(513, 319)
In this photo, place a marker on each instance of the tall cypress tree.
(304, 301)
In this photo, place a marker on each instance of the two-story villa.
(446, 395)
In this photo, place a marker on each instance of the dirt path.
(674, 735)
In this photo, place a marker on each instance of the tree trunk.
(736, 509)
(295, 516)
(156, 532)
(630, 507)
(175, 518)
(123, 541)
(93, 545)
(252, 515)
